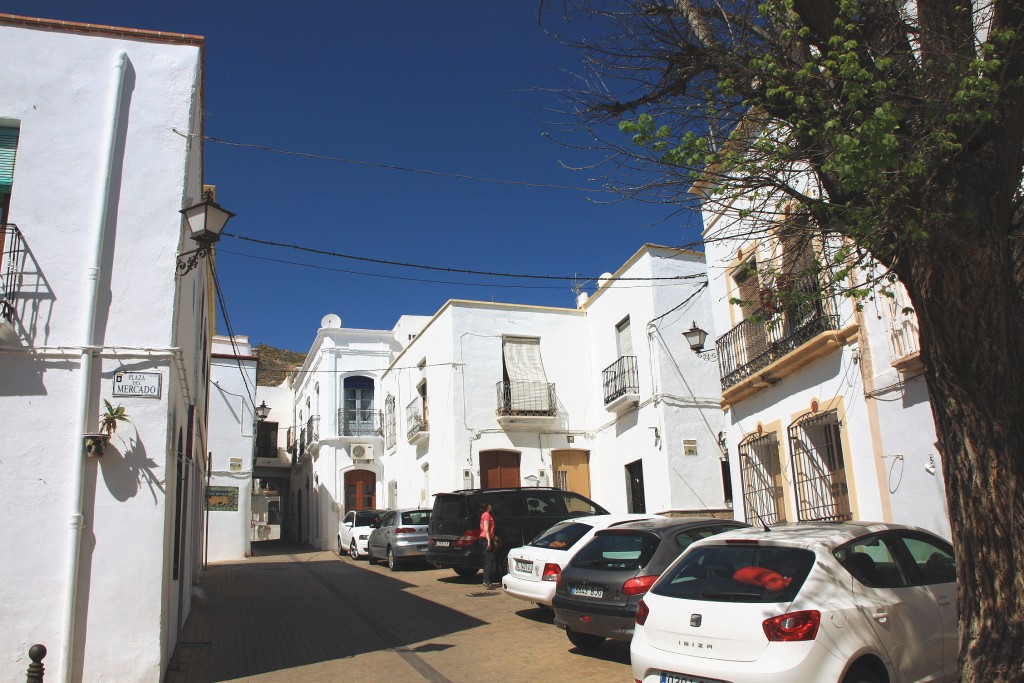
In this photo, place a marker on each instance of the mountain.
(274, 364)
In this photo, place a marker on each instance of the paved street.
(291, 613)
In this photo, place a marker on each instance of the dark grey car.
(400, 537)
(598, 592)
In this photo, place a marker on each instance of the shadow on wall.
(125, 471)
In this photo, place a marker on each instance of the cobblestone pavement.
(291, 613)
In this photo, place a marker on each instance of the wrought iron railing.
(904, 333)
(12, 251)
(415, 418)
(767, 335)
(620, 378)
(361, 422)
(526, 398)
(312, 430)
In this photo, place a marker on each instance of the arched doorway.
(360, 490)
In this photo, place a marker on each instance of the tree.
(897, 127)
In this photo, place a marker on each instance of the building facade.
(827, 412)
(100, 553)
(604, 399)
(233, 424)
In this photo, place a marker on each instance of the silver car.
(400, 537)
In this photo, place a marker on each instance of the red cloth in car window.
(759, 576)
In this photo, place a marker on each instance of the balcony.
(621, 384)
(12, 253)
(417, 427)
(526, 404)
(770, 344)
(311, 432)
(904, 339)
(360, 423)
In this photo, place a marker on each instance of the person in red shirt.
(487, 542)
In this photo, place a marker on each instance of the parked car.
(533, 569)
(401, 537)
(597, 595)
(855, 602)
(354, 531)
(519, 515)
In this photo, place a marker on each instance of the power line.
(231, 333)
(464, 271)
(414, 279)
(394, 167)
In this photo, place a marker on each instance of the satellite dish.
(330, 320)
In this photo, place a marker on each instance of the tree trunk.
(962, 281)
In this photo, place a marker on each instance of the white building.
(232, 425)
(828, 415)
(99, 554)
(604, 399)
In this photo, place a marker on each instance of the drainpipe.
(86, 417)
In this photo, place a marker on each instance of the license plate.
(442, 544)
(588, 591)
(524, 566)
(669, 677)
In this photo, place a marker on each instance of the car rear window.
(561, 536)
(617, 551)
(367, 518)
(450, 507)
(416, 517)
(737, 573)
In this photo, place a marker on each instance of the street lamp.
(695, 337)
(206, 221)
(262, 410)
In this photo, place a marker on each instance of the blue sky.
(447, 86)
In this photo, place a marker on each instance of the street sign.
(137, 384)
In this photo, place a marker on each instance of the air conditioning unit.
(362, 452)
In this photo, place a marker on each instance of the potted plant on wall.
(96, 442)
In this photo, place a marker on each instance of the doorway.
(499, 469)
(571, 470)
(360, 490)
(635, 487)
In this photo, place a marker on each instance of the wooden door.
(571, 470)
(499, 469)
(360, 490)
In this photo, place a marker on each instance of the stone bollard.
(35, 669)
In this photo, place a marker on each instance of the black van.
(519, 515)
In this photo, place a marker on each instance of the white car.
(533, 569)
(849, 602)
(354, 531)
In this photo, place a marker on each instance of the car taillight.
(638, 585)
(793, 626)
(642, 610)
(405, 530)
(551, 572)
(467, 539)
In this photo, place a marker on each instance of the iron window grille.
(761, 474)
(819, 470)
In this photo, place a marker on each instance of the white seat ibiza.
(533, 569)
(844, 602)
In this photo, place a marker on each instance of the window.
(526, 388)
(623, 338)
(872, 561)
(689, 446)
(357, 406)
(8, 152)
(819, 468)
(266, 439)
(390, 429)
(763, 483)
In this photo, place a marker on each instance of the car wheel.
(370, 559)
(465, 572)
(392, 561)
(861, 674)
(353, 551)
(341, 549)
(585, 641)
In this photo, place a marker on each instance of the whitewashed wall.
(230, 445)
(59, 88)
